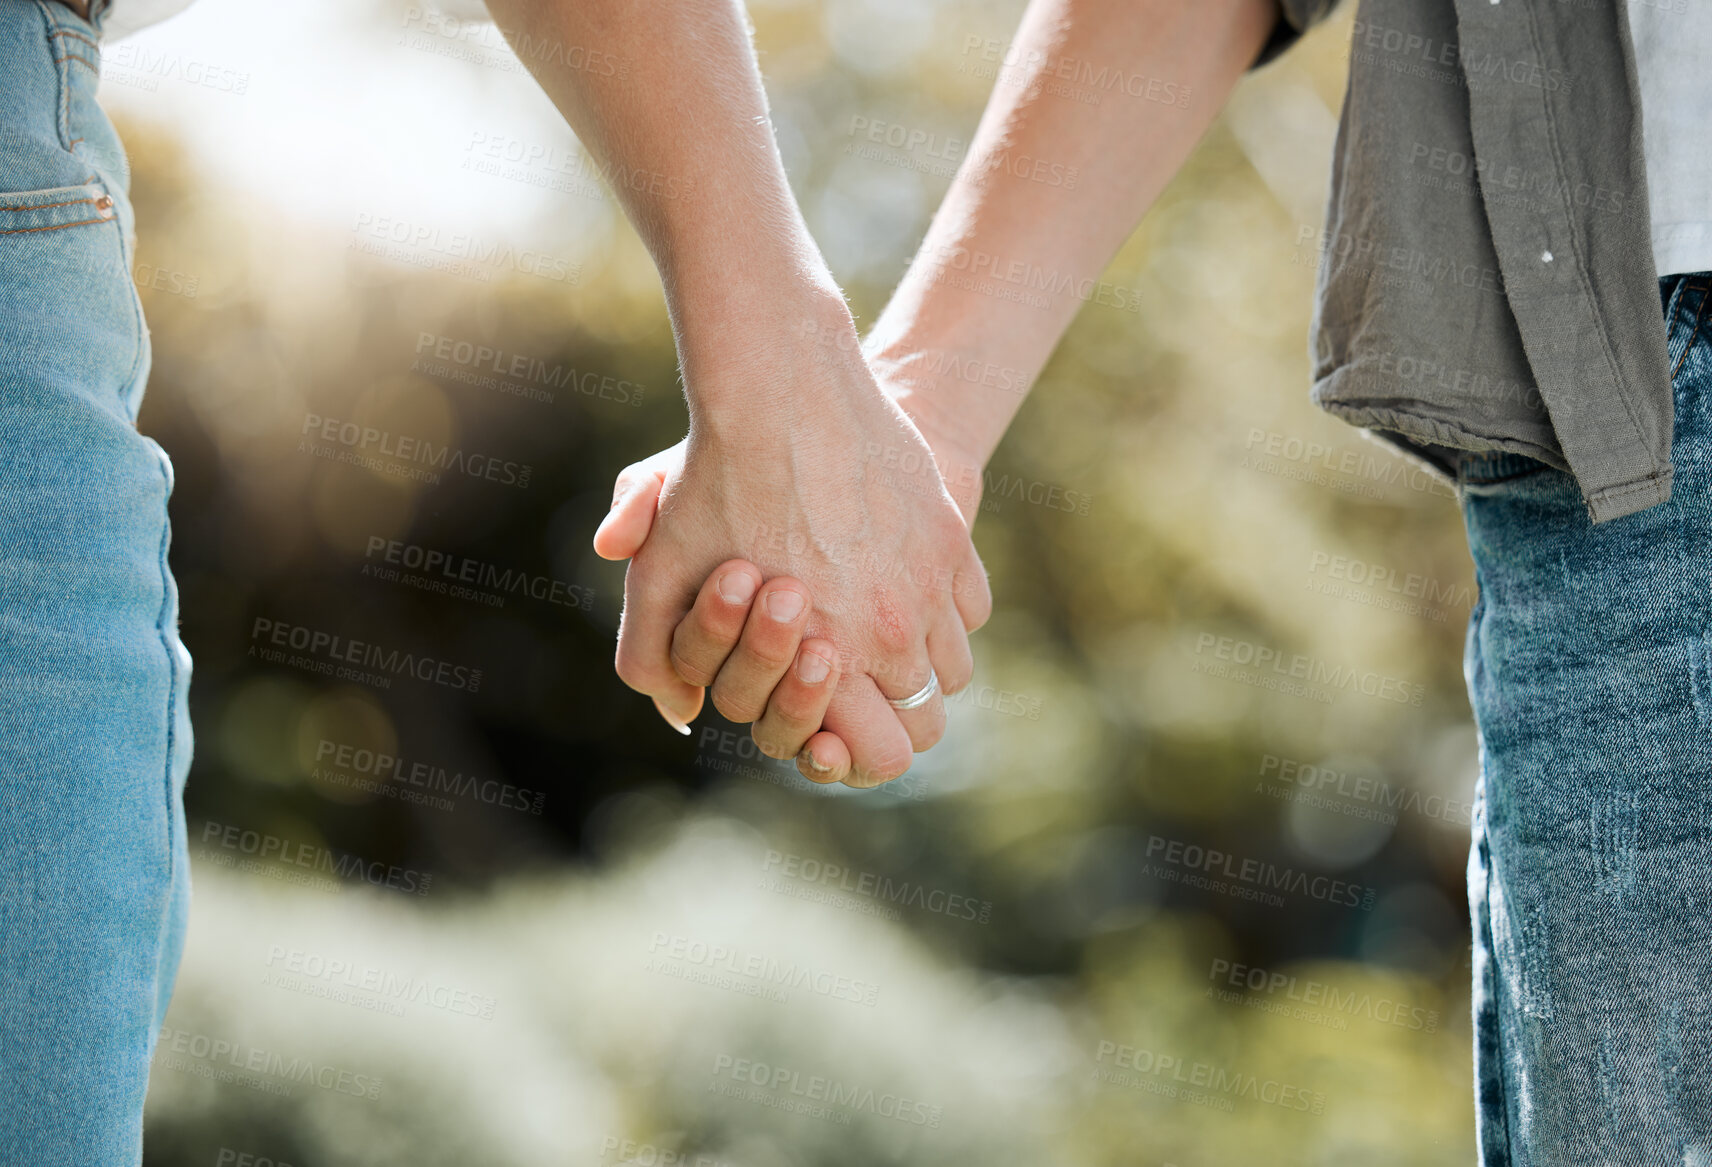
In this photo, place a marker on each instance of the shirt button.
(1545, 257)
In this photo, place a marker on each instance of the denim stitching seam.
(1491, 980)
(49, 206)
(172, 669)
(50, 25)
(1692, 336)
(55, 227)
(74, 34)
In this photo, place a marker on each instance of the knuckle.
(773, 743)
(689, 669)
(795, 707)
(890, 765)
(895, 631)
(734, 705)
(769, 655)
(956, 679)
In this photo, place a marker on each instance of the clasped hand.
(801, 556)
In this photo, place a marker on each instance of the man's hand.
(713, 644)
(837, 489)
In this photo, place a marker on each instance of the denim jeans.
(94, 731)
(1589, 666)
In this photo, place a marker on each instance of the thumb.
(634, 499)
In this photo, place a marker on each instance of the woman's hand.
(835, 488)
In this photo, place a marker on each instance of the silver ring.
(918, 699)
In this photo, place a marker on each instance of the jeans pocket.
(1489, 479)
(70, 319)
(30, 211)
(1494, 468)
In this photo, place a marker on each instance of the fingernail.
(737, 587)
(784, 605)
(807, 755)
(671, 718)
(812, 668)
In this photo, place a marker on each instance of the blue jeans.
(1589, 666)
(94, 730)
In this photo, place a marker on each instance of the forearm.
(668, 100)
(1000, 219)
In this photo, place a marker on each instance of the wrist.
(941, 391)
(916, 381)
(746, 281)
(791, 354)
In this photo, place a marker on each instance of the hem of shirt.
(1682, 249)
(1438, 444)
(1642, 494)
(1436, 439)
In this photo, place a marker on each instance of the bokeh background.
(550, 931)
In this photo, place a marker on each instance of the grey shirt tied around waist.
(1486, 278)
